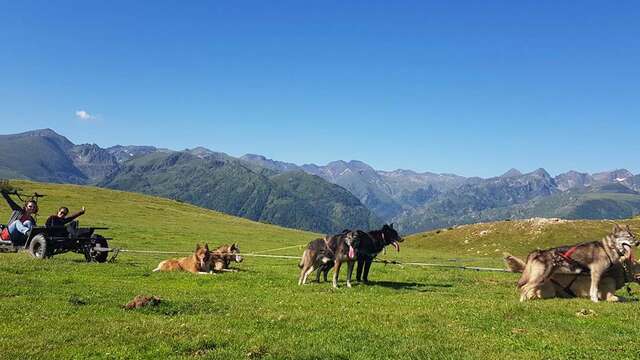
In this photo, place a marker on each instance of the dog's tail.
(524, 279)
(159, 266)
(536, 270)
(514, 264)
(304, 255)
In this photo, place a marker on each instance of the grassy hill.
(66, 308)
(489, 240)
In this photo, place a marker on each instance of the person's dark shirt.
(55, 221)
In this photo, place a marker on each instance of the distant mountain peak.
(202, 152)
(254, 157)
(541, 172)
(512, 173)
(41, 132)
(47, 133)
(263, 161)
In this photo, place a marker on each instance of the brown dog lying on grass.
(223, 256)
(578, 285)
(198, 263)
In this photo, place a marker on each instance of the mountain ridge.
(407, 197)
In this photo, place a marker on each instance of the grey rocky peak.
(94, 161)
(124, 153)
(265, 162)
(511, 173)
(541, 173)
(618, 175)
(203, 153)
(572, 179)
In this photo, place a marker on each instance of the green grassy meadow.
(68, 309)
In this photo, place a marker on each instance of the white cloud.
(84, 115)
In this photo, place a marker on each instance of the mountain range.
(325, 198)
(199, 176)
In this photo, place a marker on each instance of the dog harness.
(566, 256)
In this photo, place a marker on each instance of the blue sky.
(472, 88)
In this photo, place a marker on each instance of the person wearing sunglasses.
(22, 218)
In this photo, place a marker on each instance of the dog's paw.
(613, 298)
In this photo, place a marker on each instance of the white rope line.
(282, 248)
(383, 261)
(273, 256)
(155, 252)
(186, 253)
(462, 267)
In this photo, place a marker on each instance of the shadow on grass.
(399, 285)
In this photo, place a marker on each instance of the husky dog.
(321, 253)
(594, 257)
(371, 244)
(578, 285)
(222, 257)
(345, 251)
(198, 263)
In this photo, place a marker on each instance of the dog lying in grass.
(578, 285)
(198, 263)
(223, 256)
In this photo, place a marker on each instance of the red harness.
(567, 254)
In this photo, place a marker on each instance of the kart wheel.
(95, 255)
(38, 248)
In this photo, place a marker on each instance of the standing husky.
(371, 244)
(198, 263)
(594, 257)
(336, 249)
(345, 251)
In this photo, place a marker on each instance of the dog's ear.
(628, 228)
(206, 246)
(616, 228)
(198, 247)
(391, 225)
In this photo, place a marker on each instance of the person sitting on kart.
(21, 220)
(61, 219)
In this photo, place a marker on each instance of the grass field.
(66, 308)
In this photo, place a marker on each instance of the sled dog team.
(593, 270)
